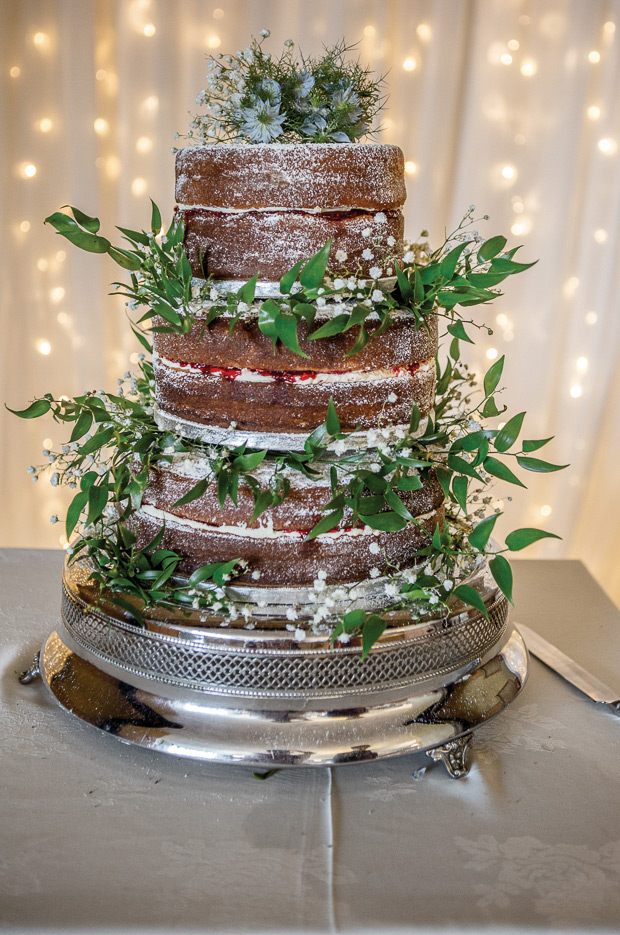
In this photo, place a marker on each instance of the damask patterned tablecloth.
(100, 837)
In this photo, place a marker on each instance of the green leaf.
(125, 258)
(249, 462)
(97, 500)
(386, 522)
(490, 409)
(88, 223)
(414, 419)
(406, 289)
(360, 342)
(313, 272)
(444, 476)
(286, 283)
(499, 469)
(481, 534)
(326, 524)
(196, 491)
(507, 436)
(287, 333)
(99, 440)
(85, 241)
(214, 572)
(470, 596)
(156, 224)
(491, 248)
(247, 291)
(541, 467)
(332, 422)
(535, 444)
(138, 237)
(73, 513)
(38, 408)
(502, 573)
(493, 376)
(353, 619)
(448, 265)
(459, 489)
(397, 505)
(521, 538)
(336, 325)
(372, 630)
(461, 466)
(82, 425)
(457, 330)
(409, 482)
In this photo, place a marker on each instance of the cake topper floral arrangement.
(115, 441)
(254, 97)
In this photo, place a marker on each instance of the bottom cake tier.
(263, 698)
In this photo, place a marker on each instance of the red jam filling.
(279, 376)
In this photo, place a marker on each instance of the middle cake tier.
(210, 379)
(275, 547)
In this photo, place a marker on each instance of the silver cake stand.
(261, 698)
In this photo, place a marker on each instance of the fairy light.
(492, 353)
(528, 67)
(63, 318)
(134, 358)
(44, 348)
(47, 443)
(424, 32)
(600, 235)
(57, 294)
(113, 167)
(410, 64)
(45, 125)
(101, 126)
(593, 112)
(582, 364)
(509, 172)
(524, 20)
(138, 187)
(594, 56)
(144, 144)
(517, 205)
(513, 44)
(506, 58)
(61, 256)
(576, 391)
(214, 42)
(15, 71)
(591, 318)
(29, 170)
(151, 104)
(521, 227)
(369, 31)
(149, 30)
(502, 320)
(609, 28)
(24, 227)
(410, 167)
(101, 74)
(546, 510)
(570, 286)
(607, 145)
(218, 13)
(42, 264)
(40, 39)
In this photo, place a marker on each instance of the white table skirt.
(101, 837)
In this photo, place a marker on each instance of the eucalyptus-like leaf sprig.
(256, 97)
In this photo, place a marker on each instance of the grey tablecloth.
(101, 837)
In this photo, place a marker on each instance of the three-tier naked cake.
(278, 564)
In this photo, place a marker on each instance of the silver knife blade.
(569, 669)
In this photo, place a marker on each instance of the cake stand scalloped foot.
(32, 672)
(454, 755)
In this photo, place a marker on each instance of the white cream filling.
(350, 376)
(314, 210)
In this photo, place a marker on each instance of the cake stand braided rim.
(271, 663)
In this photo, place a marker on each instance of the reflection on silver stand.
(261, 698)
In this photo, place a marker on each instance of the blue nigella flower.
(262, 123)
(269, 90)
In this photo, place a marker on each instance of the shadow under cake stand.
(260, 698)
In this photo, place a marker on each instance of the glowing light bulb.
(101, 74)
(101, 126)
(57, 294)
(151, 104)
(410, 64)
(29, 170)
(546, 510)
(594, 56)
(40, 39)
(369, 31)
(214, 42)
(410, 167)
(492, 353)
(113, 167)
(607, 145)
(509, 172)
(593, 112)
(61, 256)
(502, 320)
(521, 227)
(576, 391)
(44, 347)
(42, 264)
(149, 30)
(600, 235)
(144, 144)
(517, 205)
(570, 286)
(582, 364)
(609, 28)
(15, 71)
(506, 58)
(138, 187)
(45, 125)
(591, 318)
(218, 13)
(424, 32)
(63, 319)
(24, 226)
(513, 44)
(528, 67)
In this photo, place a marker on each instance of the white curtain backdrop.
(513, 106)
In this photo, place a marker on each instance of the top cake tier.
(262, 208)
